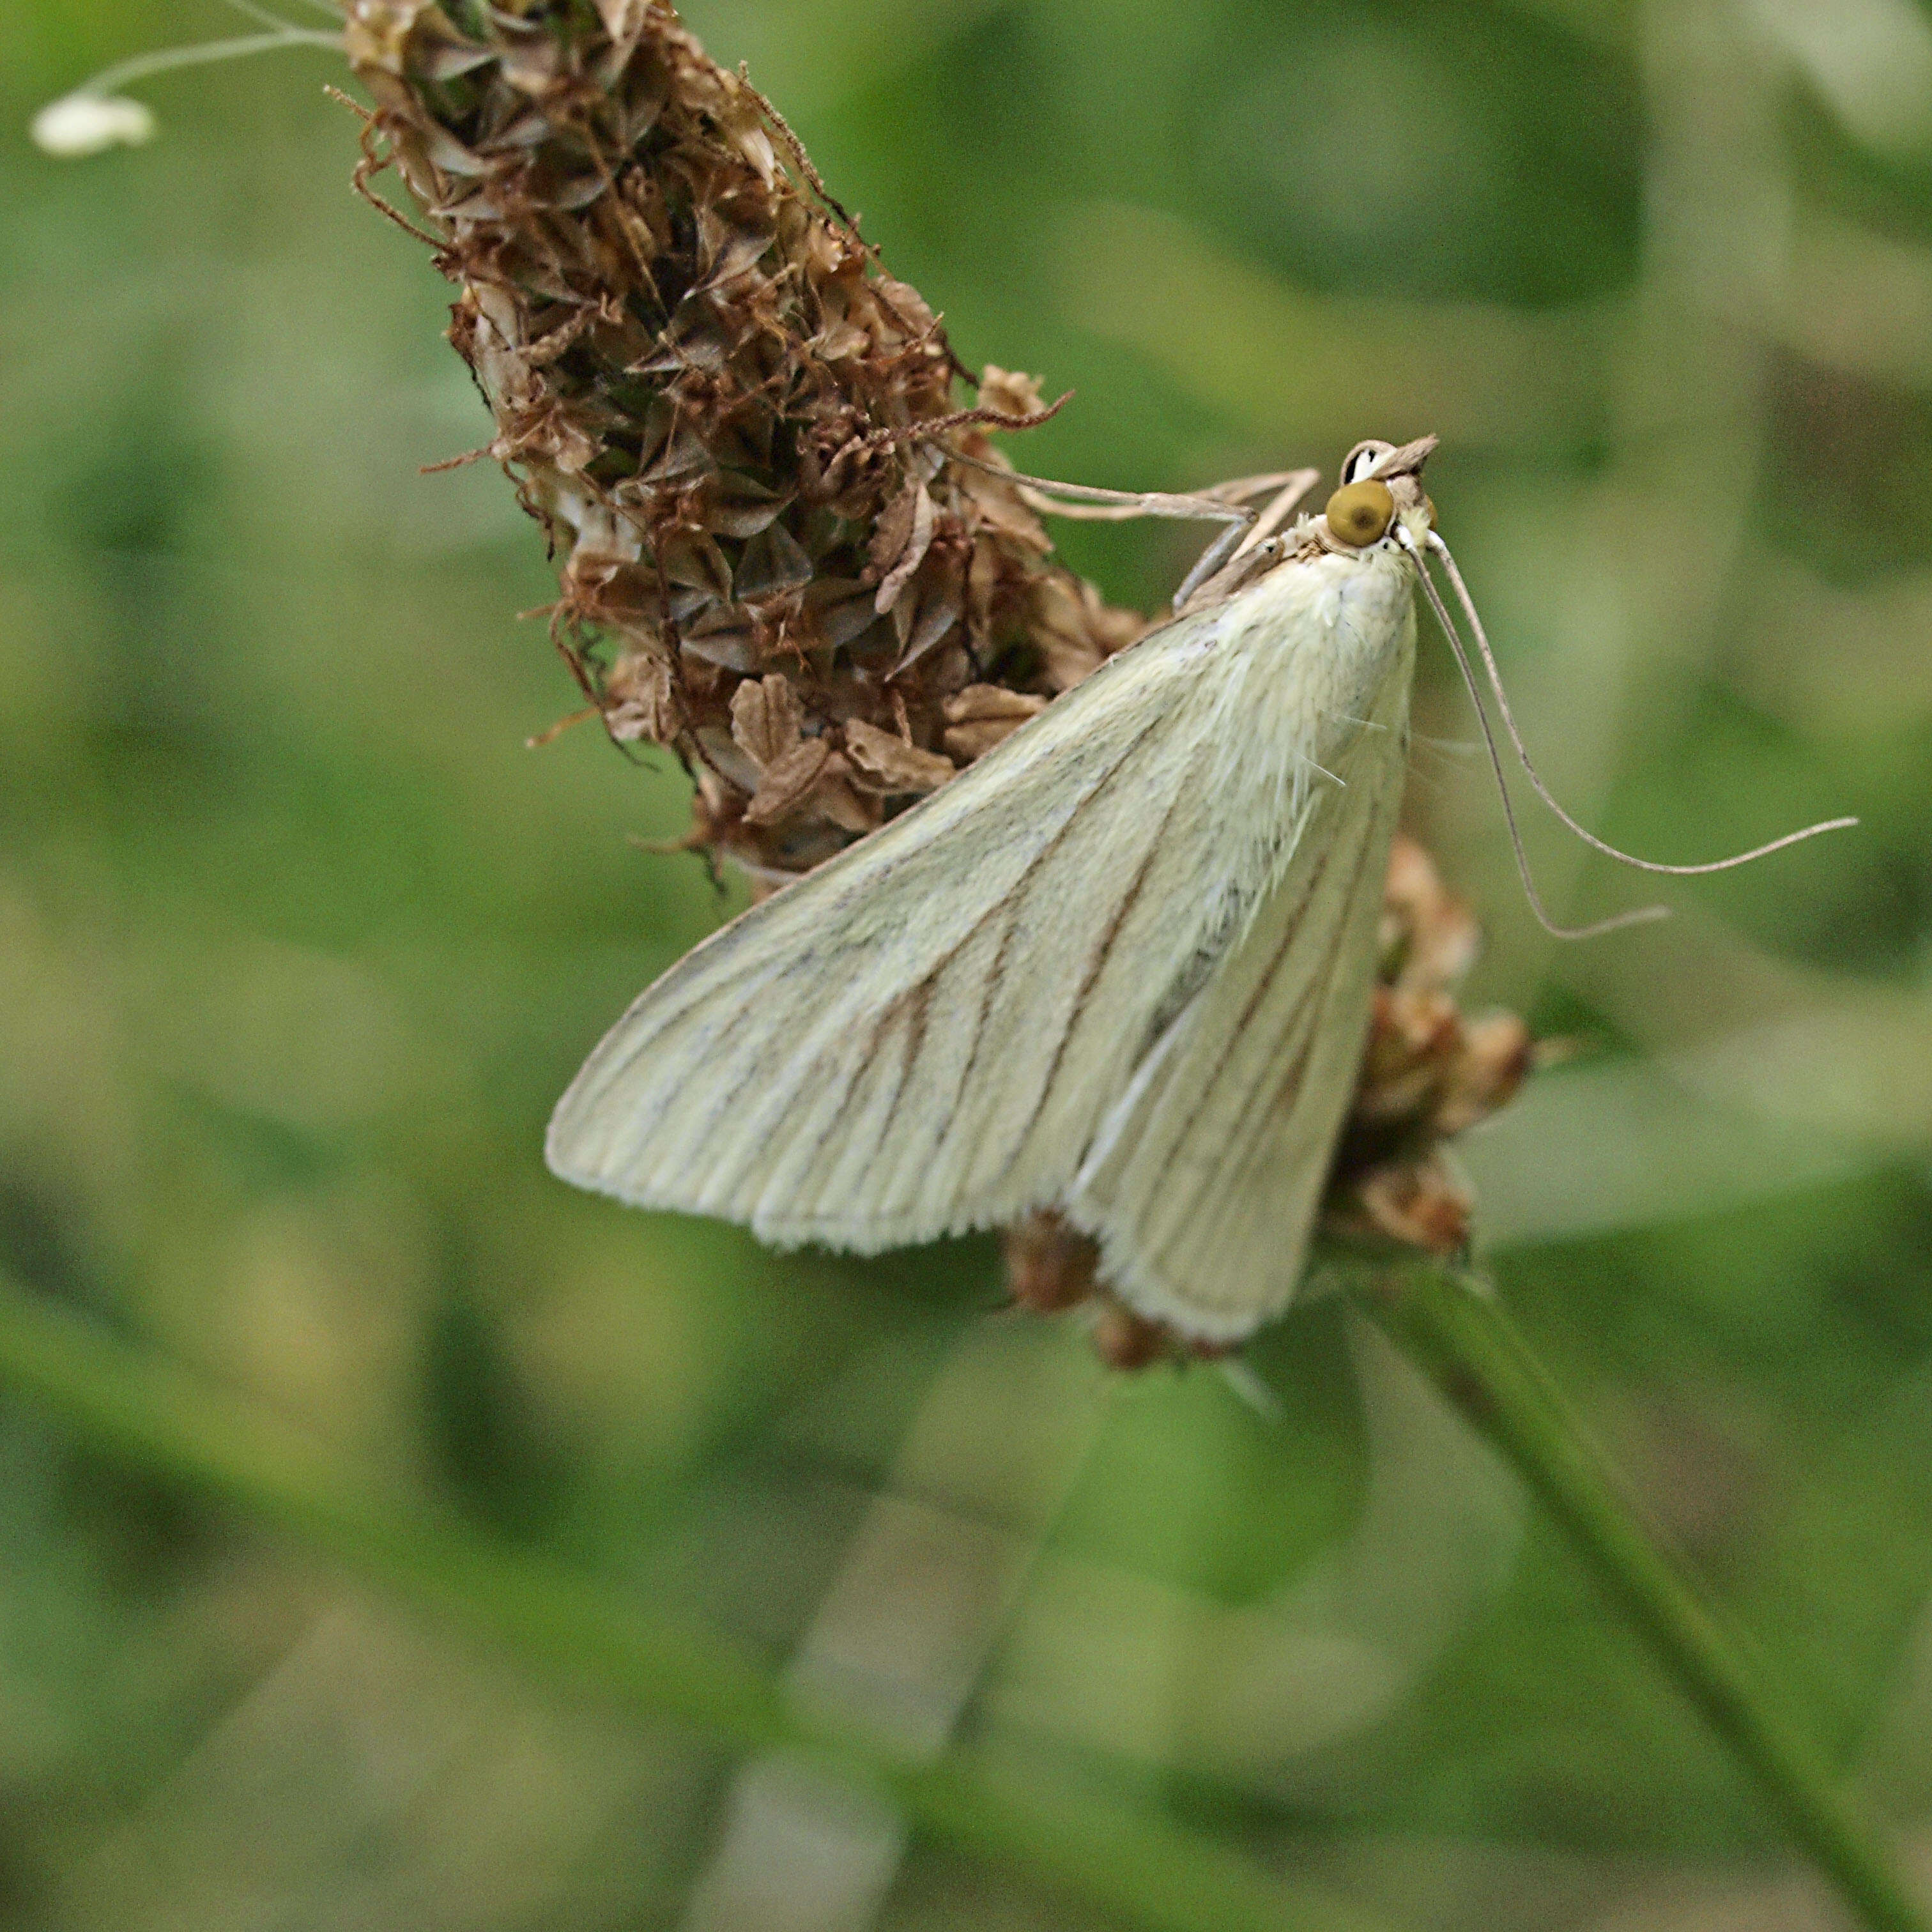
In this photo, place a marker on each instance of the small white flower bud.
(83, 123)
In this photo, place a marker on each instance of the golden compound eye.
(1358, 513)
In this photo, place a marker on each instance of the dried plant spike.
(754, 452)
(1428, 1072)
(1123, 1339)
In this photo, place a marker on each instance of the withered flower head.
(742, 438)
(1428, 1072)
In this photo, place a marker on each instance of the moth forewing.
(1119, 966)
(853, 1061)
(1201, 1190)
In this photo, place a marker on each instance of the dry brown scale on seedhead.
(741, 437)
(787, 551)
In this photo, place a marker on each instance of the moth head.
(1381, 485)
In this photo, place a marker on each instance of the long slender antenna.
(1642, 914)
(1542, 791)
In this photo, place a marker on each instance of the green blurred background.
(297, 942)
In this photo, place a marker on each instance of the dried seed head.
(1123, 1339)
(1497, 1052)
(1418, 1203)
(983, 715)
(1429, 939)
(740, 433)
(1428, 1073)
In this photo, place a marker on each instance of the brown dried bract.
(983, 716)
(1428, 1072)
(711, 395)
(1050, 1265)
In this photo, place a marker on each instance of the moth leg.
(1209, 562)
(1290, 486)
(1088, 502)
(1224, 503)
(1228, 502)
(1294, 485)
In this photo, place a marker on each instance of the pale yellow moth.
(1119, 967)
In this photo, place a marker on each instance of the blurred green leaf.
(586, 1636)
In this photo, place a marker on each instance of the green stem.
(1454, 1329)
(582, 1634)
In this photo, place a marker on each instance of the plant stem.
(1453, 1328)
(585, 1636)
(164, 60)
